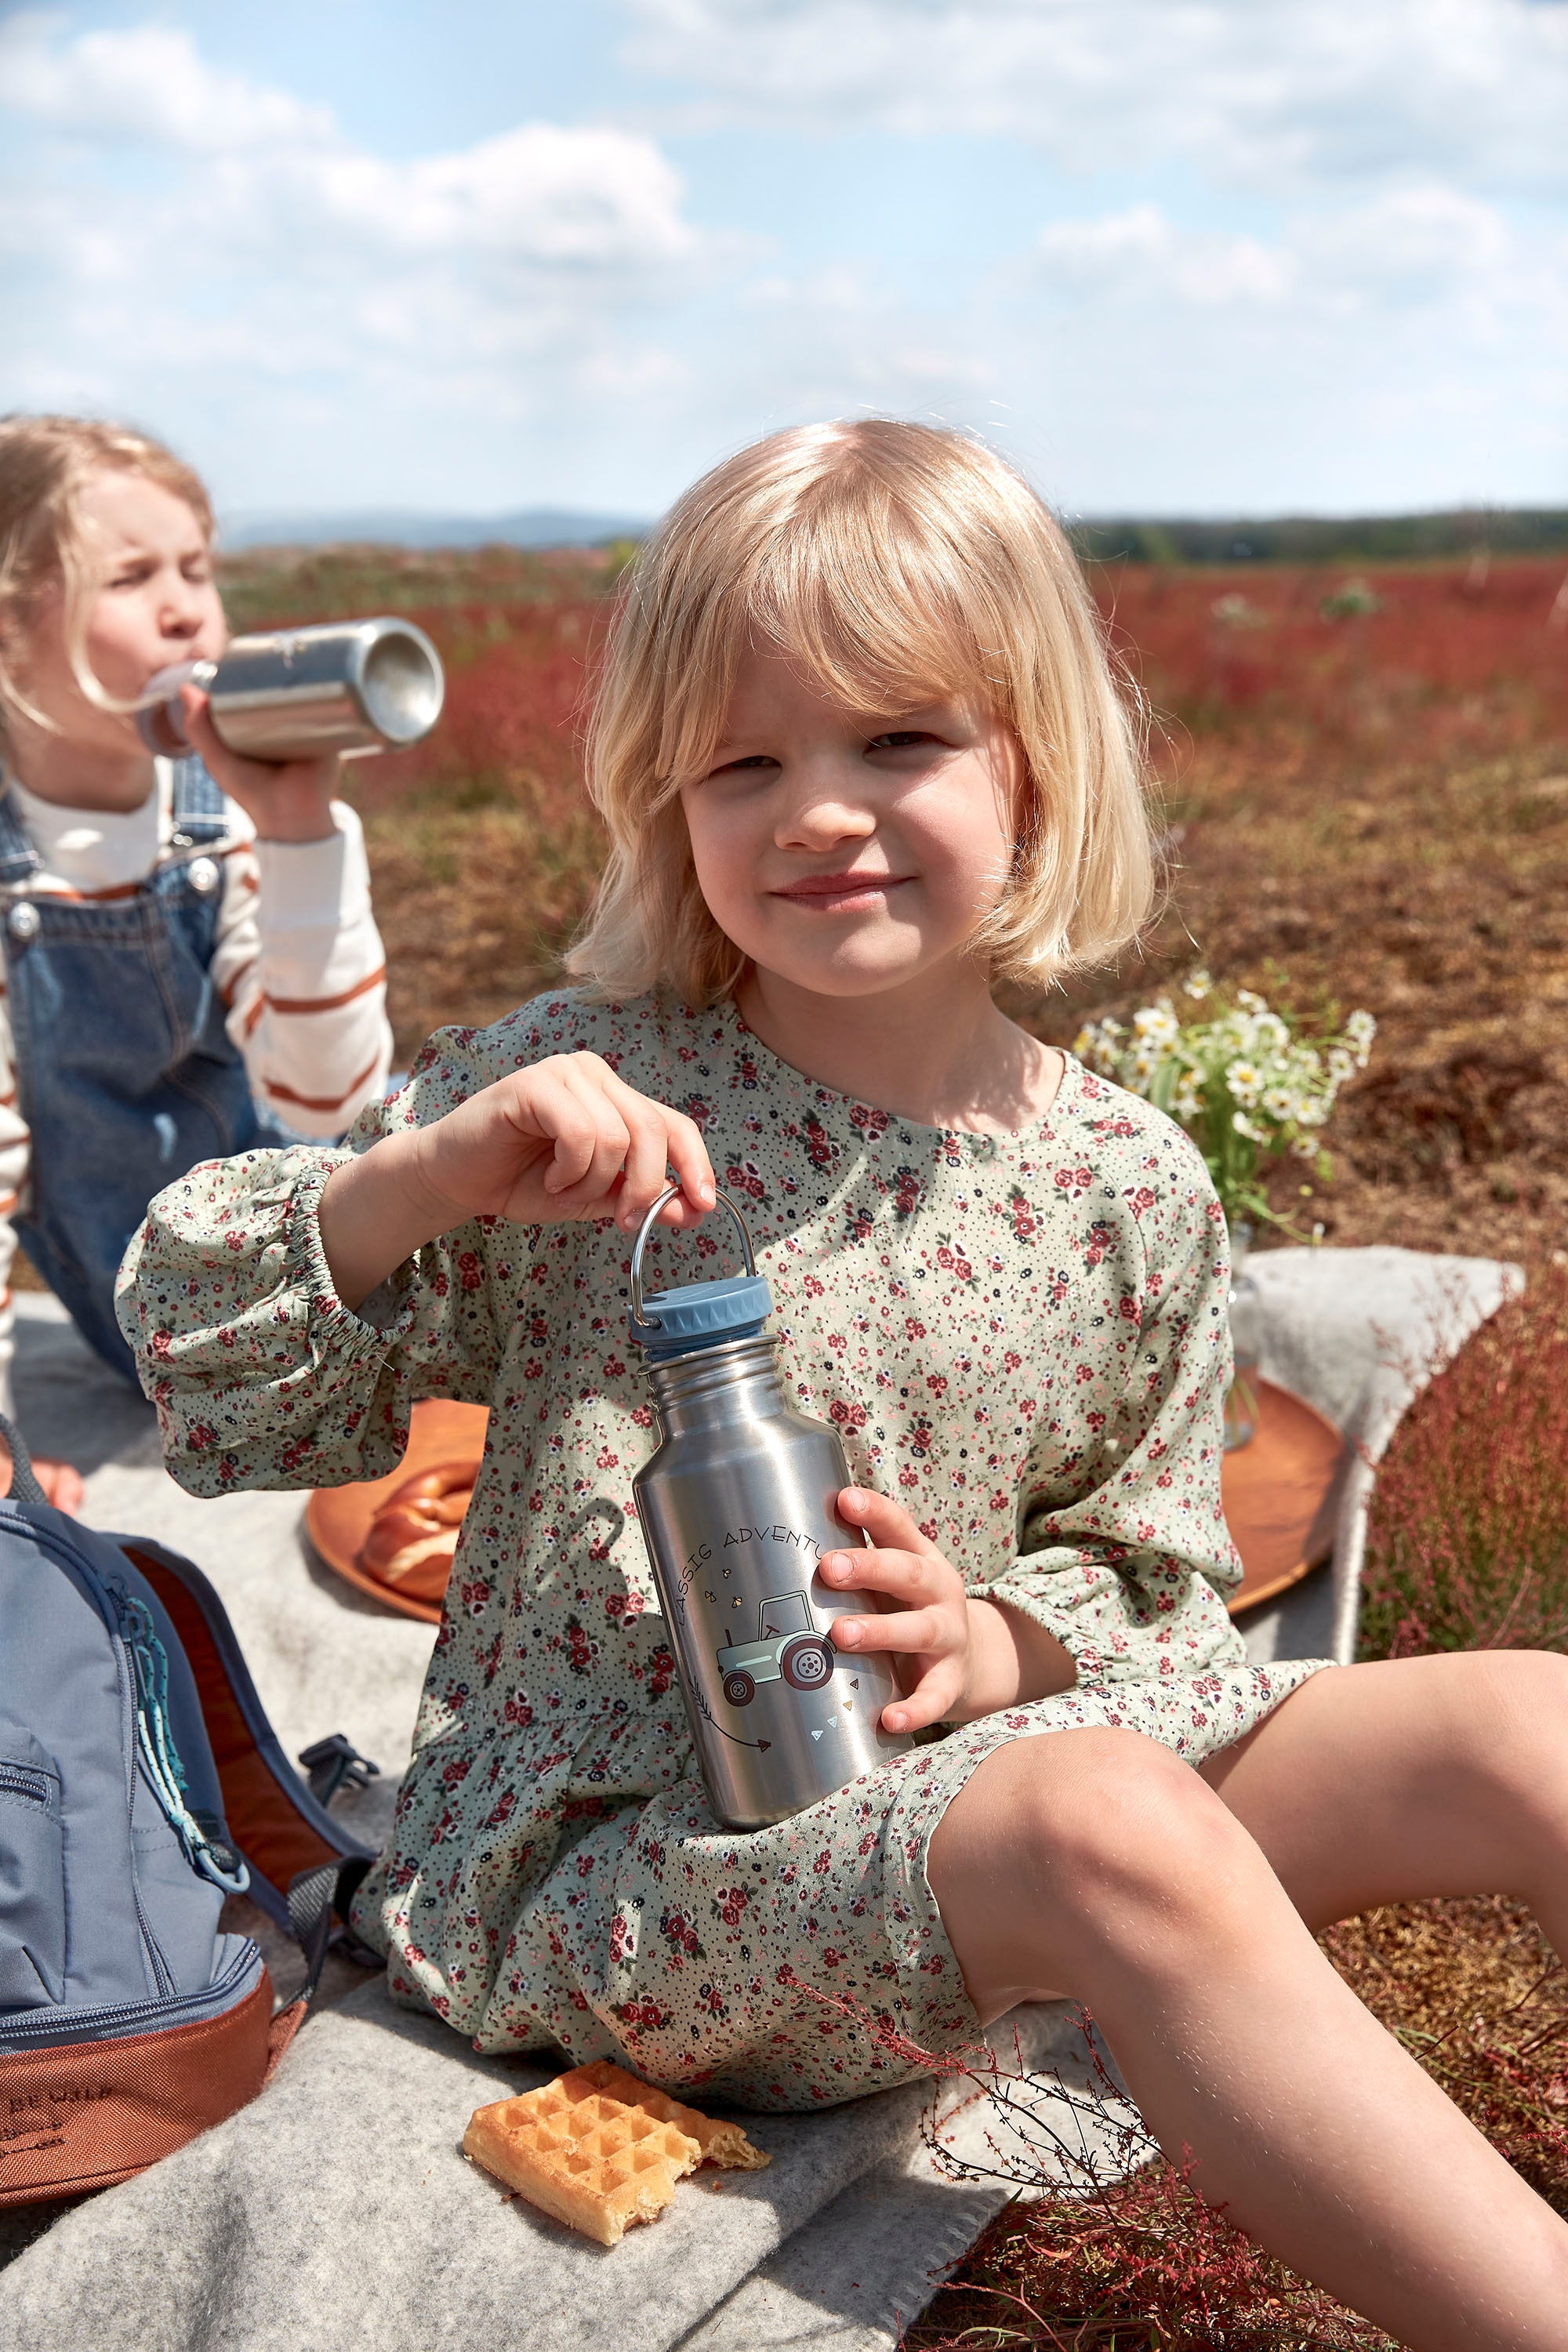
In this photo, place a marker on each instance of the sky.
(1173, 257)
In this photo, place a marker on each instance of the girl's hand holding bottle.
(285, 801)
(963, 1658)
(564, 1140)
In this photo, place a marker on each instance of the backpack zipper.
(21, 1780)
(58, 2026)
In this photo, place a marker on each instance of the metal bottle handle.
(650, 1322)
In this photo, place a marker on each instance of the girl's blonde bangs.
(896, 565)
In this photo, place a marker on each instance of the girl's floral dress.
(1023, 1338)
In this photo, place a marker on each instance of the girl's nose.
(822, 813)
(180, 610)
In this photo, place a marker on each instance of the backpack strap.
(277, 1825)
(20, 861)
(199, 812)
(314, 1897)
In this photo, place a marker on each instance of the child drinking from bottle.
(191, 963)
(862, 756)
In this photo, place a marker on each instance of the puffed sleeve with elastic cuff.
(261, 1376)
(1130, 1573)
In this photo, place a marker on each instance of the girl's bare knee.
(1120, 1837)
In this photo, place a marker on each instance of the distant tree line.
(1313, 538)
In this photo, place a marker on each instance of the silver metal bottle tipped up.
(736, 1508)
(350, 687)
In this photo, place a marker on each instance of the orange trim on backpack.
(82, 2115)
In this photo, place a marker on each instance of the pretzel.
(411, 1539)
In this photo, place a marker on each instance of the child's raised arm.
(239, 1294)
(563, 1141)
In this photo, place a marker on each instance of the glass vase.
(1247, 1346)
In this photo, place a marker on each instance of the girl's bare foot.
(62, 1484)
(61, 1481)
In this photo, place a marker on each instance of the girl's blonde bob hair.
(894, 564)
(43, 553)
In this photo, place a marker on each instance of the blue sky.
(1175, 255)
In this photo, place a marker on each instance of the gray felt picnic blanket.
(337, 2211)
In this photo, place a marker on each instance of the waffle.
(722, 2143)
(579, 2151)
(592, 2161)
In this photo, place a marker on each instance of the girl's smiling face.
(850, 853)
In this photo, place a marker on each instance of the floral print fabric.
(1023, 1338)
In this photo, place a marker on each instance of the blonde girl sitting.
(861, 757)
(191, 963)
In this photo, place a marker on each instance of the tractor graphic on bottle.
(788, 1647)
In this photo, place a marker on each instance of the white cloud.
(1409, 348)
(1426, 245)
(1256, 92)
(174, 232)
(147, 83)
(549, 195)
(540, 316)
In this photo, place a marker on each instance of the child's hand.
(960, 1658)
(561, 1140)
(564, 1140)
(285, 801)
(927, 1628)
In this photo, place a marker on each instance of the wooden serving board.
(1281, 1493)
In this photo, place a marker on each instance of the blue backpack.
(141, 1784)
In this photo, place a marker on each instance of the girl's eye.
(899, 739)
(753, 764)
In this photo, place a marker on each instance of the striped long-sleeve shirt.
(297, 962)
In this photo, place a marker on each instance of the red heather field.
(1363, 786)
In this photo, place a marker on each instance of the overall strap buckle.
(20, 861)
(198, 807)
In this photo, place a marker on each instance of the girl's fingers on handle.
(574, 1128)
(661, 1139)
(592, 1141)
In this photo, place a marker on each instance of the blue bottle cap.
(703, 1315)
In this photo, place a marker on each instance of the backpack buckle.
(336, 1763)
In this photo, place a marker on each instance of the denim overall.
(126, 1075)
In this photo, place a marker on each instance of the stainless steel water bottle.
(737, 1509)
(350, 687)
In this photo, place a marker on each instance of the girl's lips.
(834, 893)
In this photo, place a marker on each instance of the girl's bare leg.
(1418, 1776)
(1095, 1865)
